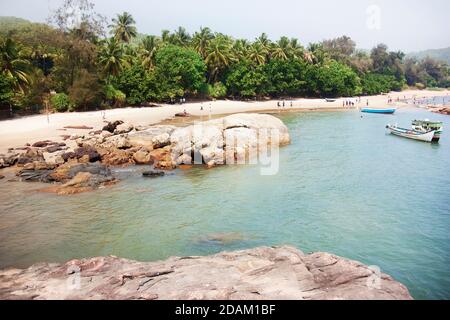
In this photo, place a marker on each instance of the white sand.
(18, 132)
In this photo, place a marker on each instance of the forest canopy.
(90, 63)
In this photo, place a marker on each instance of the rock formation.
(260, 273)
(235, 138)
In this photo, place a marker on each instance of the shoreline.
(18, 132)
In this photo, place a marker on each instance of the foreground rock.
(261, 273)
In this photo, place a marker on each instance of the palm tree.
(182, 37)
(165, 36)
(218, 55)
(264, 40)
(111, 57)
(201, 39)
(281, 50)
(123, 27)
(240, 48)
(13, 65)
(257, 53)
(148, 48)
(297, 50)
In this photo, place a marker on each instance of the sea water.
(343, 186)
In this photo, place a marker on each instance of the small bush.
(61, 102)
(420, 86)
(219, 90)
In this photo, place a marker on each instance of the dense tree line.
(82, 65)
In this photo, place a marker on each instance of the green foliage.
(333, 79)
(132, 68)
(6, 90)
(136, 83)
(216, 91)
(60, 102)
(85, 91)
(246, 80)
(285, 77)
(375, 83)
(179, 71)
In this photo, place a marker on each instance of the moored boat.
(411, 134)
(427, 126)
(382, 111)
(330, 100)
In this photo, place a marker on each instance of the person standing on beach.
(367, 102)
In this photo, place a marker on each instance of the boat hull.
(381, 111)
(411, 134)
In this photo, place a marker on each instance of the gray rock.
(123, 128)
(153, 174)
(260, 273)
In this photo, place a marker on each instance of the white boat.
(411, 134)
(427, 126)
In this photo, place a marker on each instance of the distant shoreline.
(18, 132)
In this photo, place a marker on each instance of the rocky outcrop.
(444, 110)
(235, 138)
(260, 273)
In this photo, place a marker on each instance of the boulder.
(55, 158)
(212, 156)
(2, 177)
(142, 157)
(264, 273)
(162, 158)
(117, 157)
(258, 121)
(89, 151)
(183, 159)
(123, 128)
(151, 138)
(29, 156)
(111, 126)
(67, 171)
(153, 174)
(41, 144)
(119, 142)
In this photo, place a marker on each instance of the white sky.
(407, 25)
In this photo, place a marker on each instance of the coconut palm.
(264, 40)
(165, 36)
(181, 36)
(240, 48)
(257, 53)
(218, 55)
(201, 39)
(13, 65)
(111, 57)
(281, 49)
(147, 50)
(297, 50)
(123, 27)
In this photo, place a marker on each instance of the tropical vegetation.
(85, 65)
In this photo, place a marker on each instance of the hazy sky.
(408, 25)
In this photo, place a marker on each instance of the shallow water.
(343, 186)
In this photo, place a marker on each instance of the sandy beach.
(18, 132)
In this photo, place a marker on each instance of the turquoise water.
(343, 186)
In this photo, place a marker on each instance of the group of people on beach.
(283, 104)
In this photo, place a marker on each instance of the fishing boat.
(411, 134)
(427, 126)
(383, 111)
(330, 100)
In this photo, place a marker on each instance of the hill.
(439, 54)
